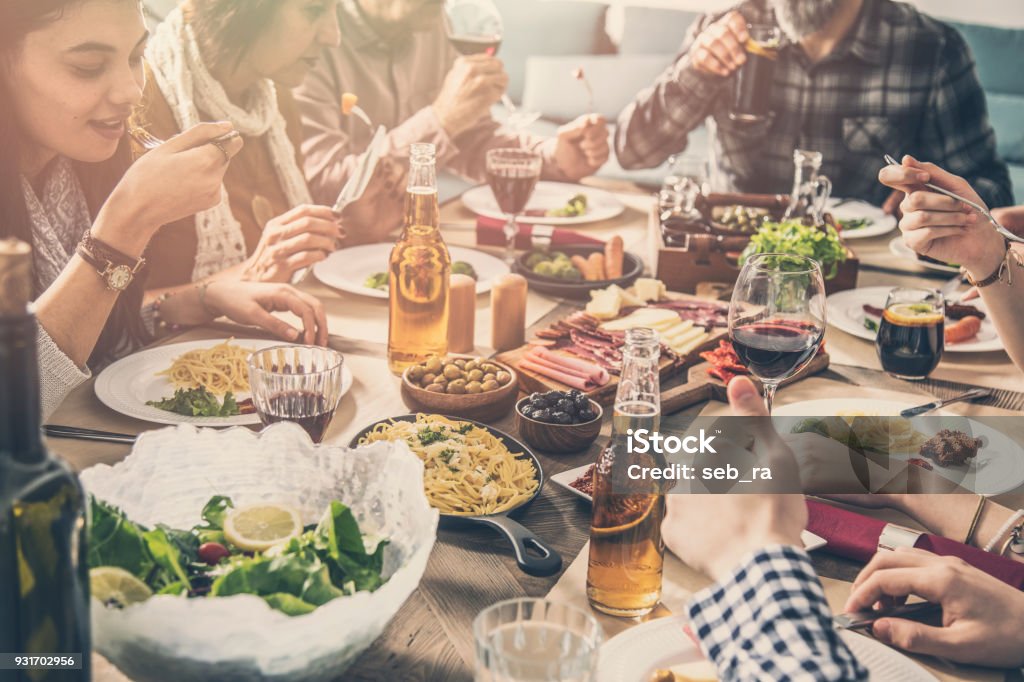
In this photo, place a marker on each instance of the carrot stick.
(613, 257)
(596, 262)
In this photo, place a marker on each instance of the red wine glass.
(512, 175)
(300, 384)
(777, 317)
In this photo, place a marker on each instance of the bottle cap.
(15, 276)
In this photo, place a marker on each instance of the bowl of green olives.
(461, 386)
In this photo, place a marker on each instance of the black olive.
(564, 405)
(542, 415)
(553, 397)
(586, 415)
(581, 402)
(574, 394)
(561, 418)
(526, 411)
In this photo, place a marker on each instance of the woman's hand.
(293, 240)
(252, 303)
(145, 199)
(982, 617)
(940, 227)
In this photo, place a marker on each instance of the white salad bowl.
(170, 475)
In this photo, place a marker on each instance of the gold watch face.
(119, 277)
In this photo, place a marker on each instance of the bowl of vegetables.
(461, 386)
(234, 555)
(573, 271)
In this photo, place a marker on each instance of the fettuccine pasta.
(220, 369)
(885, 434)
(467, 470)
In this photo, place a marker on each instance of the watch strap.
(996, 275)
(105, 251)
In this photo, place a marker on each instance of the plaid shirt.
(770, 621)
(900, 82)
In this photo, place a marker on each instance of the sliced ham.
(596, 373)
(539, 360)
(558, 375)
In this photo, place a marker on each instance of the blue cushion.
(998, 53)
(548, 27)
(615, 79)
(653, 30)
(1006, 114)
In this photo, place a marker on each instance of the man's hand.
(734, 524)
(719, 49)
(472, 86)
(891, 205)
(582, 146)
(982, 617)
(1010, 217)
(293, 240)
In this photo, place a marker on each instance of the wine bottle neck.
(20, 413)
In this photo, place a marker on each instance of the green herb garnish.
(576, 206)
(793, 237)
(197, 402)
(378, 280)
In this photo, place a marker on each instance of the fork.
(145, 138)
(977, 207)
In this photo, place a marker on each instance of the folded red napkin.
(855, 536)
(490, 232)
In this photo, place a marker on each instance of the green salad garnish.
(197, 402)
(576, 206)
(793, 237)
(327, 560)
(378, 280)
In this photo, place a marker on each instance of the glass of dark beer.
(911, 334)
(753, 86)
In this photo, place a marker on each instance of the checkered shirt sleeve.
(769, 621)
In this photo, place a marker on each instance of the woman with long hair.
(70, 74)
(236, 61)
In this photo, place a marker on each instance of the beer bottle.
(419, 271)
(626, 549)
(44, 576)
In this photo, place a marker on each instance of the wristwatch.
(116, 268)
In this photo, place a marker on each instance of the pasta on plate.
(467, 469)
(220, 368)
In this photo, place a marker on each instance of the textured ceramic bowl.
(170, 475)
(482, 407)
(558, 438)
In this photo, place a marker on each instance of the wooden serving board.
(701, 386)
(530, 382)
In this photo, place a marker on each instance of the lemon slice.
(117, 587)
(260, 527)
(913, 315)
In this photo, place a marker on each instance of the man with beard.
(395, 56)
(854, 79)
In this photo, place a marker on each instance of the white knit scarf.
(187, 85)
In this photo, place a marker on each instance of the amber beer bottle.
(44, 578)
(626, 549)
(419, 271)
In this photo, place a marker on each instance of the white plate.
(846, 312)
(998, 468)
(601, 205)
(811, 541)
(634, 655)
(881, 222)
(347, 269)
(126, 385)
(898, 248)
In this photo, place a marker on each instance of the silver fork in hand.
(145, 138)
(977, 207)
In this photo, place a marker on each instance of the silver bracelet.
(1004, 529)
(203, 286)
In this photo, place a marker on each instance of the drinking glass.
(475, 27)
(512, 174)
(752, 89)
(681, 188)
(911, 335)
(777, 317)
(535, 640)
(811, 189)
(300, 384)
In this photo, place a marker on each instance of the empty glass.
(535, 640)
(811, 190)
(300, 384)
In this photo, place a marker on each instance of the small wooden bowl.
(482, 407)
(558, 438)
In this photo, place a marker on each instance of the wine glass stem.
(511, 230)
(769, 396)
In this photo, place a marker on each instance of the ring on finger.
(219, 145)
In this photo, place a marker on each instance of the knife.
(859, 620)
(58, 431)
(972, 394)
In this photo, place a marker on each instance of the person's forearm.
(951, 515)
(1005, 304)
(235, 272)
(769, 619)
(186, 305)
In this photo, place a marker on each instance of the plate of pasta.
(473, 473)
(196, 382)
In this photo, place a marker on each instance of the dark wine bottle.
(44, 577)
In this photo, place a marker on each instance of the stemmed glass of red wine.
(301, 384)
(777, 317)
(512, 174)
(475, 27)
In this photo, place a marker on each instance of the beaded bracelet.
(160, 325)
(1004, 529)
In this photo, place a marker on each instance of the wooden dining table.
(430, 638)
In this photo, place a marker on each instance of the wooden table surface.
(430, 638)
